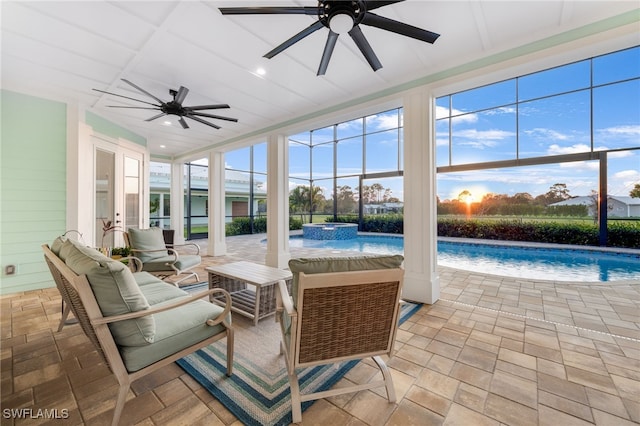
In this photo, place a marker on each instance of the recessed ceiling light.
(167, 123)
(261, 71)
(163, 146)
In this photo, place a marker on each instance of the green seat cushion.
(147, 239)
(161, 291)
(144, 278)
(184, 262)
(177, 329)
(115, 290)
(320, 265)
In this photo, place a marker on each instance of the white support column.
(277, 202)
(177, 201)
(421, 281)
(217, 237)
(80, 176)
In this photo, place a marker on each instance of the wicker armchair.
(341, 309)
(201, 324)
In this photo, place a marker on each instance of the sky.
(555, 114)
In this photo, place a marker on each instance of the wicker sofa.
(137, 322)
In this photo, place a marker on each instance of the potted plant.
(120, 252)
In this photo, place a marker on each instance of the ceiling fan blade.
(182, 93)
(132, 107)
(183, 123)
(162, 114)
(399, 27)
(200, 120)
(328, 50)
(365, 47)
(374, 4)
(296, 38)
(126, 97)
(200, 107)
(303, 10)
(218, 117)
(142, 90)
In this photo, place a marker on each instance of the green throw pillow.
(147, 239)
(57, 245)
(116, 292)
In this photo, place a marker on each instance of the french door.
(118, 192)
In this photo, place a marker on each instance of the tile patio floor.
(491, 351)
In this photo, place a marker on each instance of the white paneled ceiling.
(63, 50)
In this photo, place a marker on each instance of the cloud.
(546, 134)
(581, 165)
(458, 116)
(617, 154)
(384, 121)
(442, 142)
(555, 149)
(627, 174)
(618, 131)
(481, 139)
(500, 111)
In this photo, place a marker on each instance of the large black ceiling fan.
(339, 17)
(174, 107)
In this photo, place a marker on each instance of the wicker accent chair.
(340, 309)
(162, 259)
(182, 323)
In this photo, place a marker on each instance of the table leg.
(214, 282)
(257, 308)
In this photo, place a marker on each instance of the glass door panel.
(105, 197)
(118, 183)
(132, 192)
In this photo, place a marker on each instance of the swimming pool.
(513, 261)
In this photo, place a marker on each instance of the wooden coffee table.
(235, 277)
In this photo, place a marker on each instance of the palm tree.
(298, 200)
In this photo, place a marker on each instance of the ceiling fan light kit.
(339, 17)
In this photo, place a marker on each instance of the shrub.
(242, 225)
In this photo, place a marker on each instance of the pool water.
(512, 261)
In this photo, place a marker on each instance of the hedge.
(621, 234)
(242, 225)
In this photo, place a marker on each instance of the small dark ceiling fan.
(174, 107)
(339, 17)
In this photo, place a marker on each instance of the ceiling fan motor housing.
(343, 14)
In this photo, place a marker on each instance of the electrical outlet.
(10, 270)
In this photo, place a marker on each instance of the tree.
(303, 199)
(557, 192)
(377, 190)
(635, 192)
(345, 200)
(464, 196)
(297, 201)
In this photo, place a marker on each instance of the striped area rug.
(258, 391)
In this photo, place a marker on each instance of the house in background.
(383, 208)
(617, 206)
(238, 193)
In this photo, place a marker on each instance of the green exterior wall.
(106, 127)
(33, 186)
(33, 183)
